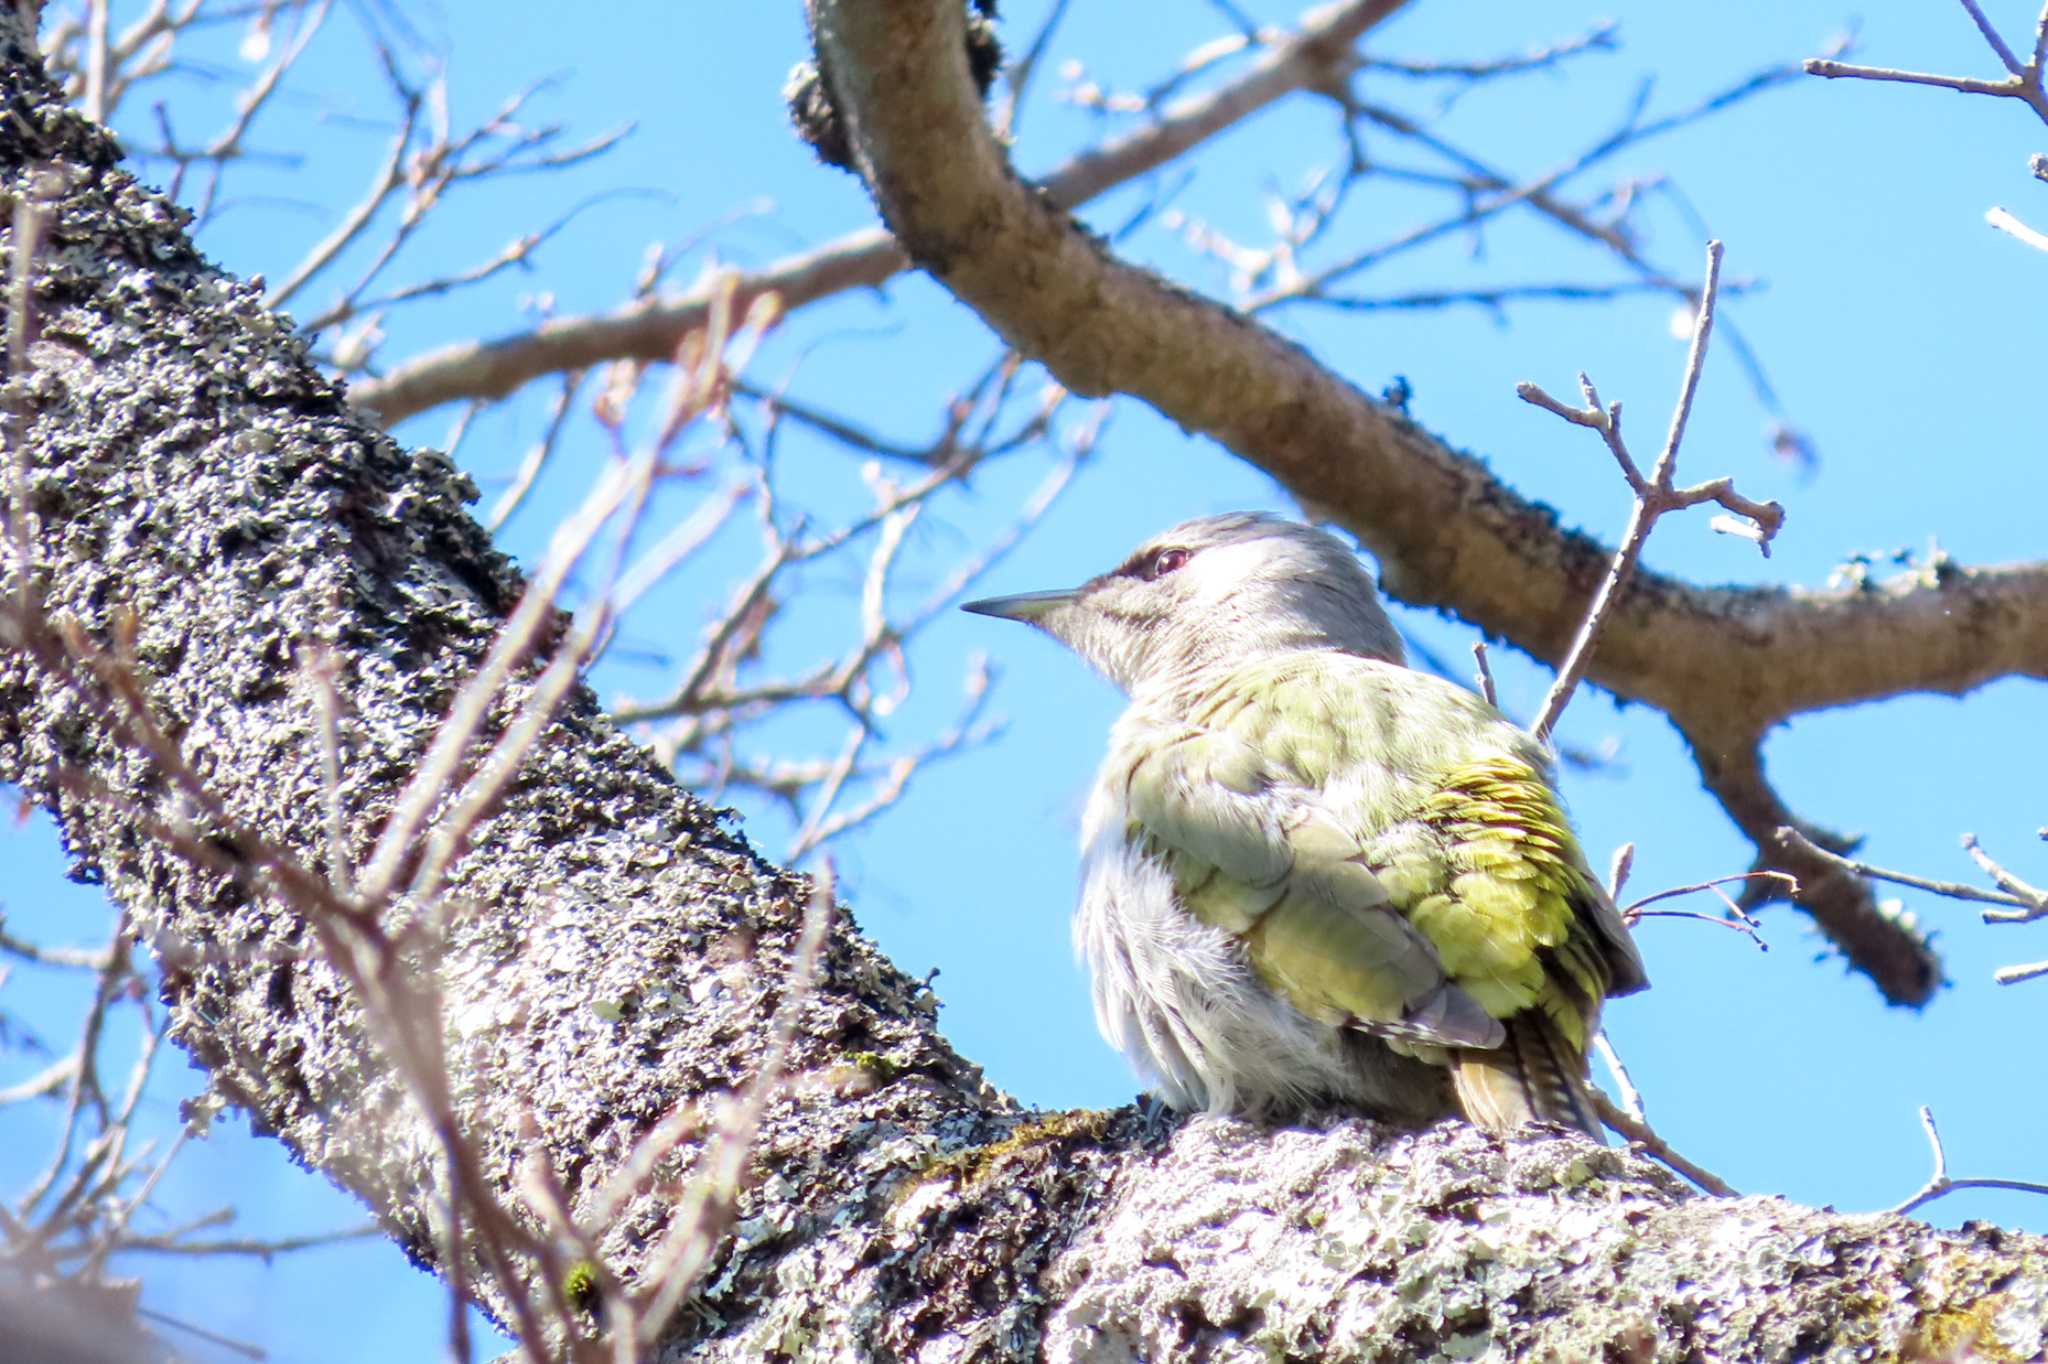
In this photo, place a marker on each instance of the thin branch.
(651, 330)
(1642, 1137)
(2032, 899)
(1485, 674)
(538, 456)
(97, 60)
(47, 1081)
(71, 958)
(321, 669)
(1969, 85)
(1953, 890)
(1746, 925)
(351, 225)
(2014, 228)
(265, 1249)
(432, 779)
(1599, 38)
(2023, 80)
(1631, 1097)
(2013, 975)
(1791, 885)
(1495, 299)
(1017, 74)
(2028, 902)
(1618, 869)
(1939, 1184)
(1991, 36)
(1654, 495)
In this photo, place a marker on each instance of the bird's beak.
(1030, 607)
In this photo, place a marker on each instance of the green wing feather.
(1388, 847)
(1498, 894)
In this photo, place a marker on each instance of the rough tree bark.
(187, 463)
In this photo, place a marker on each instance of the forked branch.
(1655, 494)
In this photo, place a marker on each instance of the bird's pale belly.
(1177, 997)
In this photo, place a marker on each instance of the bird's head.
(1222, 588)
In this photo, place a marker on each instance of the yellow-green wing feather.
(1394, 857)
(1228, 803)
(1496, 887)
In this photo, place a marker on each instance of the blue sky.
(1901, 334)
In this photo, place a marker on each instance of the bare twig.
(48, 1080)
(1939, 1184)
(1631, 1097)
(97, 60)
(2016, 87)
(1485, 676)
(537, 457)
(1017, 74)
(2032, 899)
(1737, 918)
(77, 958)
(1496, 298)
(2013, 975)
(1641, 1137)
(1483, 191)
(2014, 228)
(261, 1248)
(1599, 38)
(650, 330)
(1954, 890)
(1747, 926)
(1618, 870)
(2022, 81)
(225, 1342)
(321, 670)
(432, 779)
(1654, 495)
(389, 176)
(1992, 37)
(30, 218)
(2024, 902)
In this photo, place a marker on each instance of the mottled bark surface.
(1329, 1245)
(623, 950)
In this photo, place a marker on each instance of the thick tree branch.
(192, 473)
(1887, 945)
(653, 329)
(1718, 661)
(624, 957)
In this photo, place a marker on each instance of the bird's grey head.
(1222, 588)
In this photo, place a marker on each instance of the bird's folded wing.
(1250, 854)
(1624, 962)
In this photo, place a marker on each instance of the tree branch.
(2022, 81)
(1654, 495)
(1718, 661)
(865, 259)
(623, 958)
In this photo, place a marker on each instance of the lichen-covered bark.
(622, 951)
(1291, 1246)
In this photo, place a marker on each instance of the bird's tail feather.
(1535, 1075)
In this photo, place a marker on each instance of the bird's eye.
(1164, 562)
